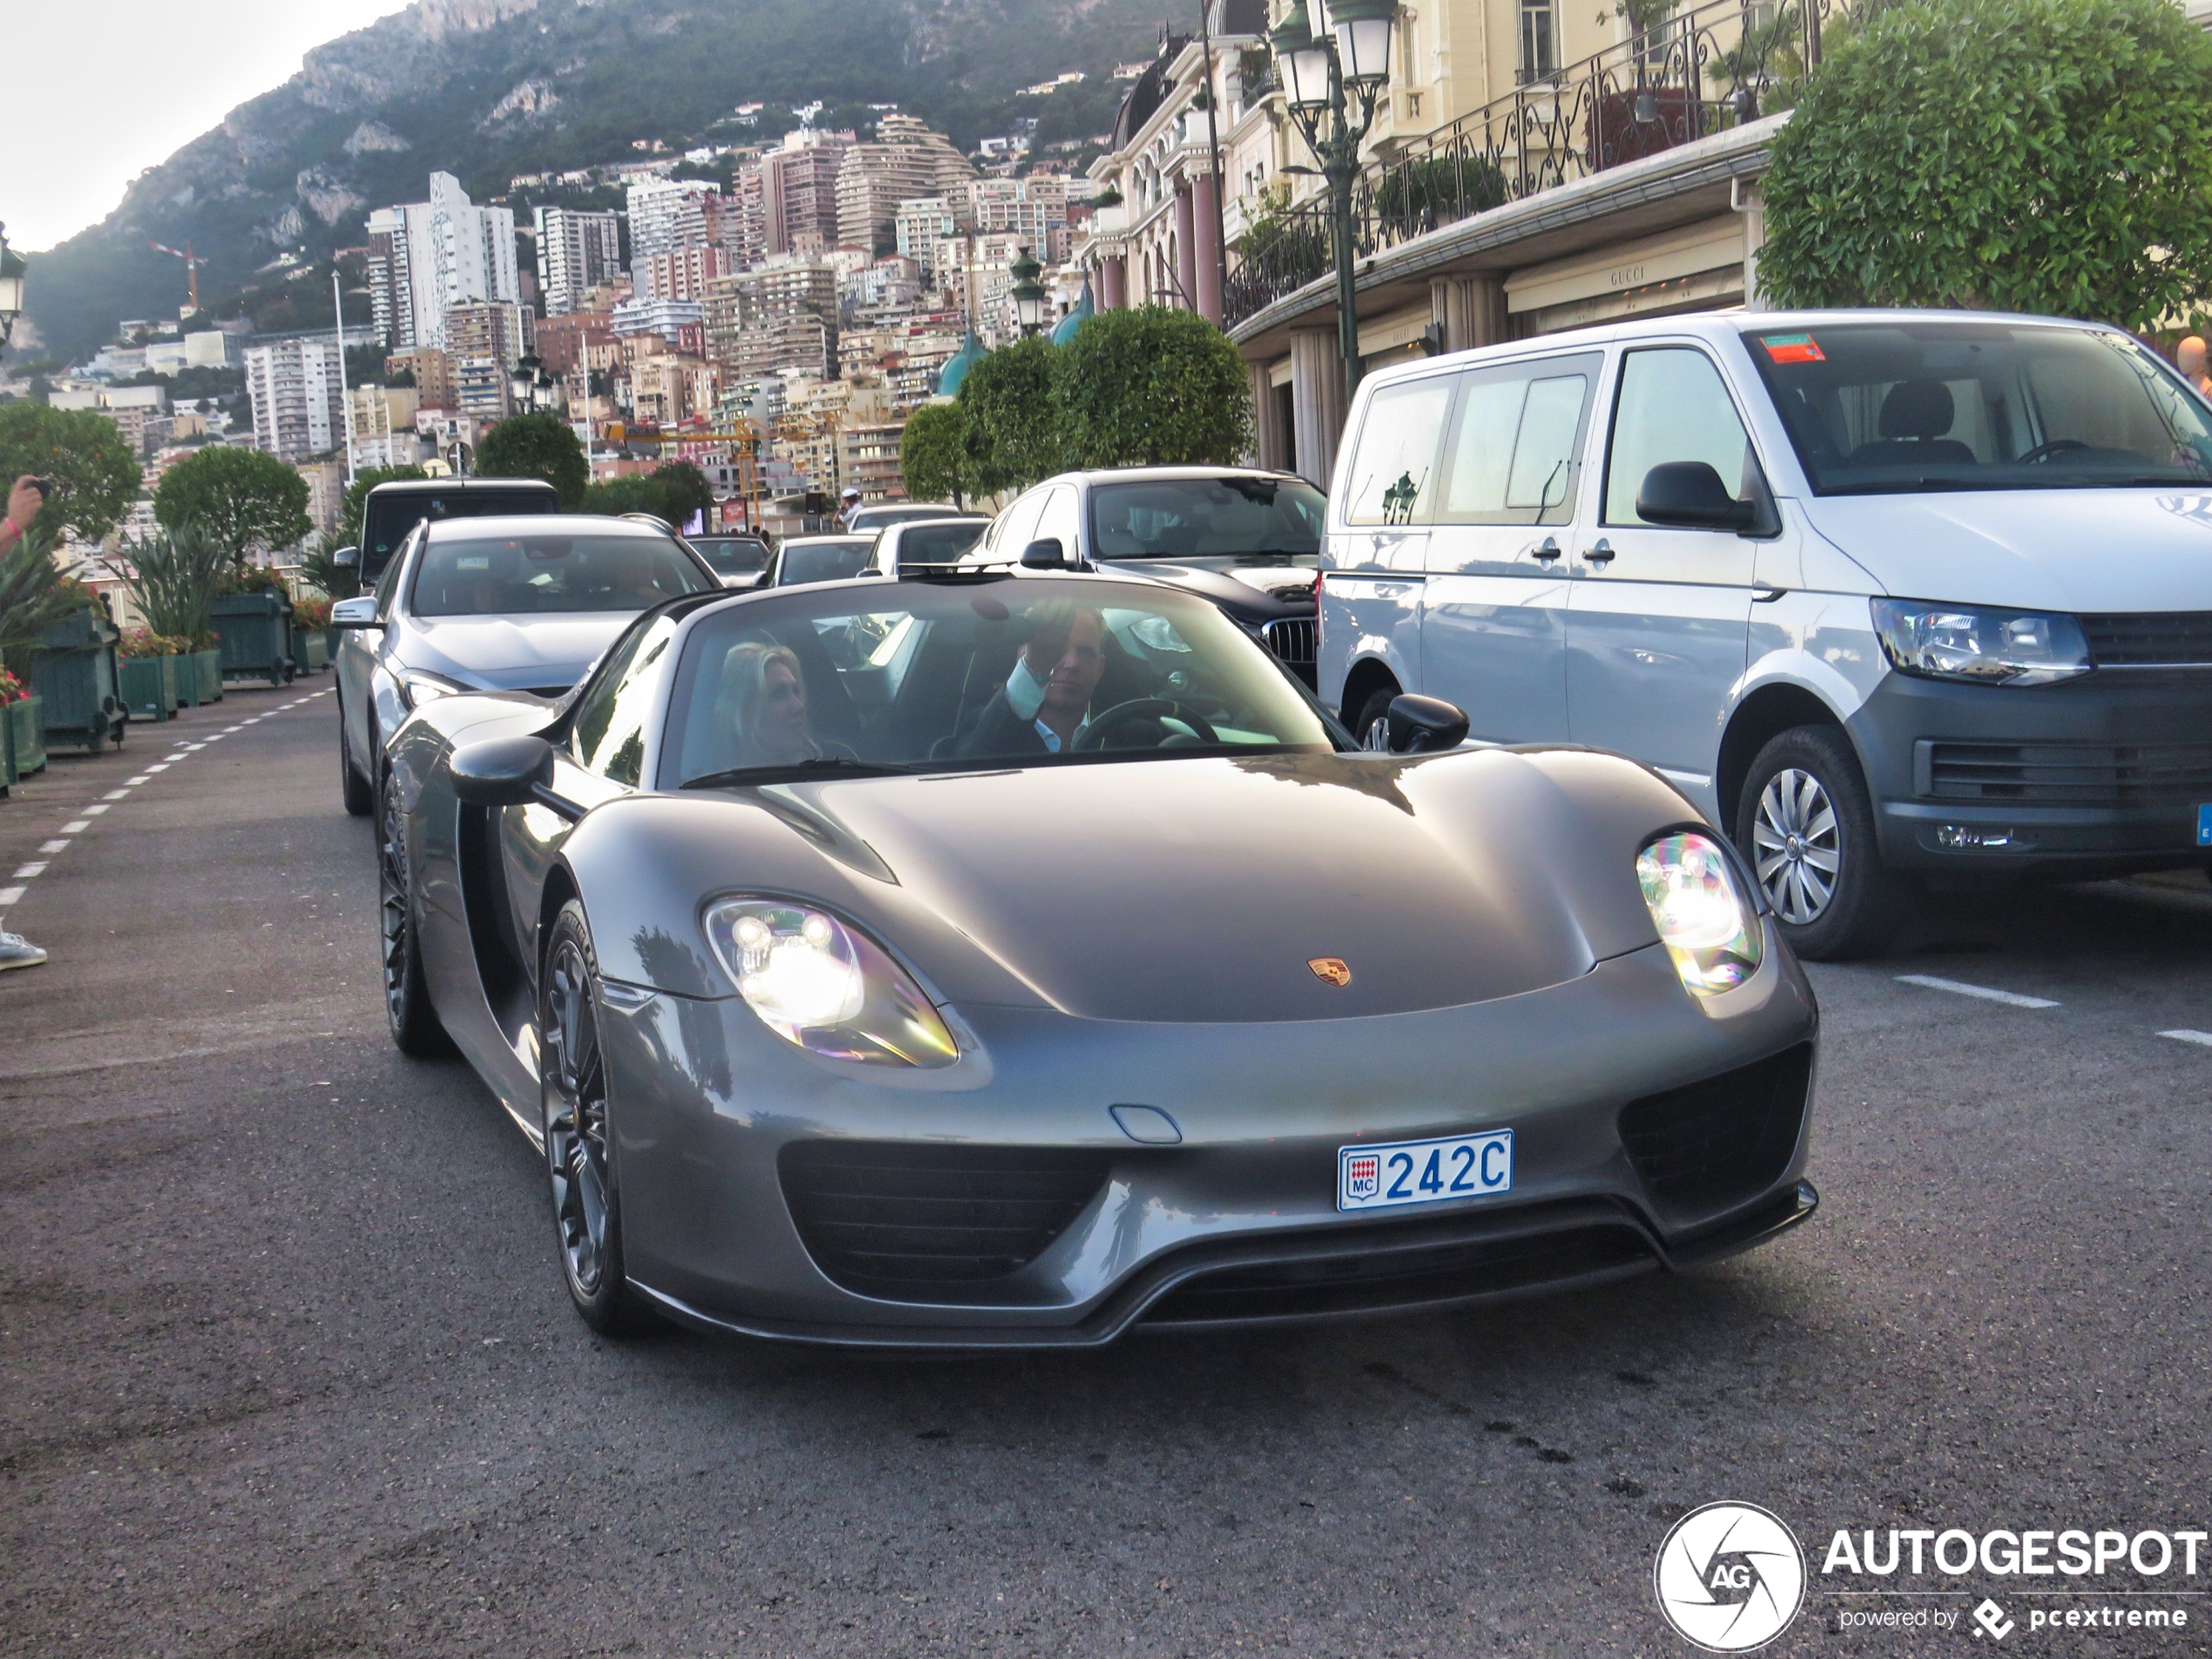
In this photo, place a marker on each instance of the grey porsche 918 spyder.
(1016, 958)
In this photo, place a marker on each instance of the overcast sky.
(95, 91)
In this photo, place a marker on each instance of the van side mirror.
(355, 613)
(1424, 724)
(346, 559)
(1045, 555)
(1689, 495)
(501, 771)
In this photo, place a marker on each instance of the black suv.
(391, 511)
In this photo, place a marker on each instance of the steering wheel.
(2045, 451)
(1143, 708)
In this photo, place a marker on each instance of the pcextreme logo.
(1730, 1577)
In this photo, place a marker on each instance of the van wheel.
(1805, 822)
(1371, 729)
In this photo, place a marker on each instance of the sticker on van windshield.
(1793, 348)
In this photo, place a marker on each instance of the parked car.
(389, 511)
(741, 560)
(1248, 541)
(926, 541)
(850, 1001)
(1888, 594)
(901, 512)
(502, 605)
(801, 559)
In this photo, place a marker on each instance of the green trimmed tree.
(95, 472)
(1013, 421)
(2049, 156)
(631, 493)
(933, 453)
(1152, 388)
(687, 492)
(537, 446)
(350, 516)
(245, 500)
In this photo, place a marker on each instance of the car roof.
(445, 529)
(447, 486)
(840, 539)
(936, 521)
(1164, 474)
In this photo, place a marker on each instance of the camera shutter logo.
(1730, 1577)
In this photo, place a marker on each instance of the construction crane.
(191, 268)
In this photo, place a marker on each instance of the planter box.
(256, 634)
(330, 639)
(22, 729)
(76, 675)
(149, 684)
(199, 677)
(308, 649)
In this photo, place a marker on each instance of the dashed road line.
(9, 895)
(76, 826)
(29, 871)
(2202, 1039)
(1959, 988)
(52, 847)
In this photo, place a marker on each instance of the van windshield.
(1895, 408)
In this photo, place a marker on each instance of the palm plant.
(178, 573)
(32, 597)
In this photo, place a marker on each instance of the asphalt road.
(286, 1367)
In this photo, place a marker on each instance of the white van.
(1887, 595)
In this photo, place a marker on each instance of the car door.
(1493, 611)
(1378, 544)
(1659, 619)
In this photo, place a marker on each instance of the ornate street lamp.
(531, 383)
(1028, 292)
(12, 270)
(1327, 72)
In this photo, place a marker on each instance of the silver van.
(1889, 596)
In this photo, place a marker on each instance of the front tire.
(1806, 823)
(1371, 729)
(415, 1024)
(360, 799)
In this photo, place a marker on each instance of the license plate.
(2204, 826)
(1461, 1166)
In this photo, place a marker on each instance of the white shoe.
(15, 951)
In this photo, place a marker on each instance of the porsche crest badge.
(1331, 969)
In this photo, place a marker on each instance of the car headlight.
(1706, 923)
(826, 985)
(1976, 644)
(419, 687)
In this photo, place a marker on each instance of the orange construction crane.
(191, 268)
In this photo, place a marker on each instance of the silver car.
(1008, 959)
(492, 604)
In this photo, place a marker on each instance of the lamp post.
(12, 272)
(531, 384)
(1325, 73)
(1028, 292)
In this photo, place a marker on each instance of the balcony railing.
(1705, 69)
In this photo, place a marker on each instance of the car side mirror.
(355, 613)
(1424, 724)
(1046, 553)
(502, 771)
(1689, 495)
(348, 558)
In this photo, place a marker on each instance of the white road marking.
(1959, 988)
(2202, 1039)
(96, 809)
(9, 895)
(116, 794)
(52, 847)
(76, 826)
(132, 782)
(29, 871)
(227, 730)
(165, 759)
(159, 766)
(189, 747)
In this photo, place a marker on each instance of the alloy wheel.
(392, 884)
(575, 1116)
(1796, 848)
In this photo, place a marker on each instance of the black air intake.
(1711, 1145)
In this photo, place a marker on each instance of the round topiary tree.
(1153, 387)
(933, 453)
(246, 500)
(537, 446)
(2050, 156)
(1013, 436)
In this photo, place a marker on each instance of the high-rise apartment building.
(426, 257)
(577, 251)
(923, 222)
(291, 381)
(682, 273)
(666, 214)
(906, 159)
(497, 334)
(798, 192)
(1033, 209)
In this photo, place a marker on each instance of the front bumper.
(2101, 775)
(1238, 1224)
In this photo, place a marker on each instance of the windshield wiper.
(820, 765)
(1906, 486)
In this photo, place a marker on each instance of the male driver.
(1045, 702)
(23, 503)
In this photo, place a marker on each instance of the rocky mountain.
(488, 89)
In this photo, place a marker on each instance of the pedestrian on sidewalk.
(23, 503)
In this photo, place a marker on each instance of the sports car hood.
(2038, 550)
(507, 653)
(1206, 889)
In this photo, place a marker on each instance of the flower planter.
(149, 684)
(308, 649)
(255, 631)
(75, 675)
(199, 679)
(26, 736)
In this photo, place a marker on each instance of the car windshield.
(874, 518)
(387, 519)
(1893, 407)
(939, 543)
(824, 560)
(1183, 518)
(918, 676)
(505, 575)
(732, 554)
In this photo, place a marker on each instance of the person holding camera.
(23, 503)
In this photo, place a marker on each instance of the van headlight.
(1703, 917)
(822, 984)
(1977, 644)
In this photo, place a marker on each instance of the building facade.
(293, 384)
(425, 258)
(577, 251)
